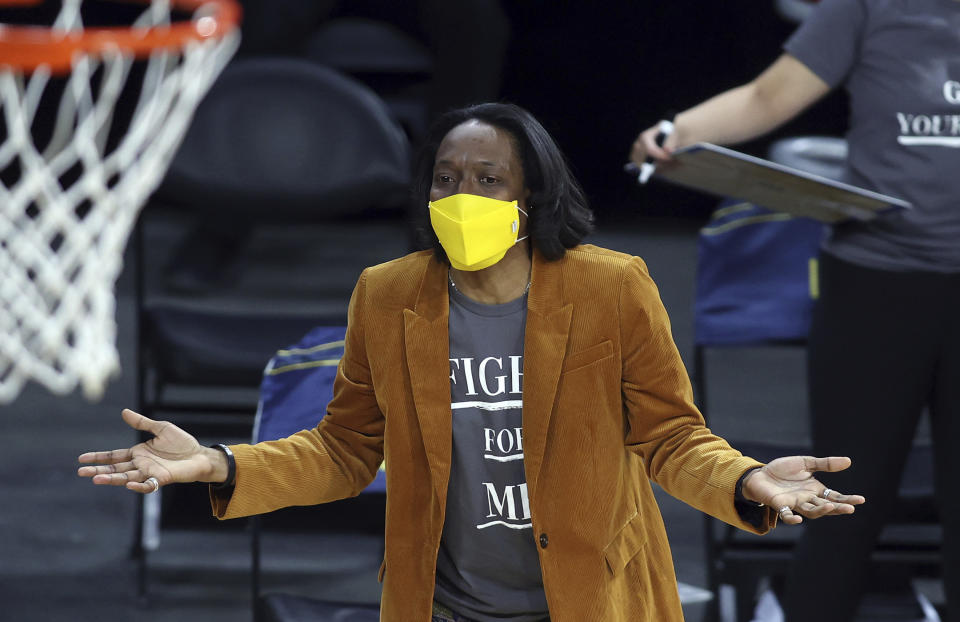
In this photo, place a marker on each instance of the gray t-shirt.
(900, 62)
(488, 568)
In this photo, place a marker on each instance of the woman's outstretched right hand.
(171, 456)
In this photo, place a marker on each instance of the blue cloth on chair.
(754, 272)
(297, 385)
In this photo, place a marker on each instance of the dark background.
(598, 74)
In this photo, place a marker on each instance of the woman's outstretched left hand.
(788, 486)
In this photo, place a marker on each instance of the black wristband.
(231, 467)
(738, 494)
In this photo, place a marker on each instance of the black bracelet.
(738, 494)
(231, 467)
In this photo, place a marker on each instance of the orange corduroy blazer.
(607, 407)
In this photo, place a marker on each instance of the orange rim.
(25, 48)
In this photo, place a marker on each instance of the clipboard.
(728, 173)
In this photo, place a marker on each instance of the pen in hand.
(664, 129)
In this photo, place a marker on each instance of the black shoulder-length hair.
(559, 216)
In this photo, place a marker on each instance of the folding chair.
(756, 285)
(753, 290)
(297, 385)
(315, 168)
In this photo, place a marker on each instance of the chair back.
(297, 386)
(756, 276)
(363, 46)
(288, 137)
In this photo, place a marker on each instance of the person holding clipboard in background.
(885, 338)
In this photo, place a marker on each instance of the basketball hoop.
(68, 201)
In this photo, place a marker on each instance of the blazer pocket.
(626, 544)
(588, 356)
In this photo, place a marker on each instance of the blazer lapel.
(545, 343)
(428, 361)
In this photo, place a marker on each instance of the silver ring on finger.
(826, 493)
(153, 482)
(783, 509)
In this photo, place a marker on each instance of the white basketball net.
(61, 242)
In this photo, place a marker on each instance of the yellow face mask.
(476, 232)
